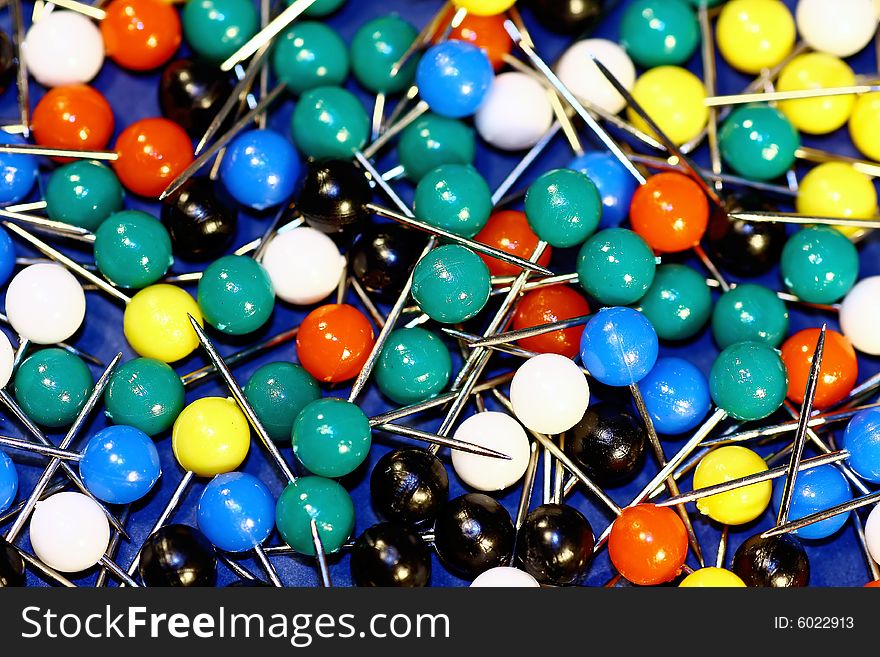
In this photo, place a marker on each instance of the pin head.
(754, 35)
(319, 498)
(7, 257)
(191, 93)
(864, 116)
(120, 464)
(497, 431)
(376, 47)
(745, 248)
(132, 249)
(236, 295)
(616, 266)
(304, 265)
(310, 54)
(454, 77)
(52, 386)
(485, 32)
(549, 393)
(473, 533)
(819, 264)
(200, 222)
(236, 512)
(333, 194)
(779, 561)
(414, 366)
(547, 305)
(140, 35)
(841, 30)
(516, 114)
(837, 189)
(11, 566)
(215, 29)
(8, 482)
(451, 284)
(872, 536)
(321, 7)
(260, 169)
(331, 437)
(555, 544)
(862, 440)
(156, 323)
(409, 486)
(278, 392)
(817, 70)
(837, 374)
(83, 193)
(330, 122)
(45, 303)
(859, 317)
(711, 577)
(615, 184)
(567, 16)
(62, 48)
(390, 554)
(505, 577)
(670, 211)
(152, 153)
(674, 98)
(678, 303)
(146, 394)
(676, 395)
(509, 230)
(656, 33)
(433, 140)
(19, 172)
(748, 380)
(619, 346)
(73, 116)
(334, 342)
(69, 532)
(454, 197)
(582, 77)
(739, 506)
(815, 490)
(484, 7)
(179, 556)
(749, 312)
(608, 443)
(563, 207)
(382, 257)
(648, 544)
(758, 142)
(211, 436)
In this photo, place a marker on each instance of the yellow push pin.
(738, 506)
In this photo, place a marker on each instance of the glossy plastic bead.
(333, 196)
(215, 29)
(236, 512)
(837, 375)
(236, 295)
(505, 577)
(547, 305)
(260, 169)
(69, 532)
(334, 342)
(178, 556)
(141, 35)
(485, 32)
(816, 70)
(454, 197)
(678, 303)
(433, 140)
(498, 431)
(749, 312)
(648, 544)
(304, 265)
(11, 566)
(83, 194)
(837, 189)
(7, 360)
(619, 346)
(8, 482)
(474, 533)
(156, 323)
(673, 97)
(516, 113)
(484, 7)
(132, 249)
(568, 16)
(840, 28)
(451, 284)
(211, 436)
(865, 116)
(454, 78)
(330, 122)
(745, 248)
(145, 394)
(45, 303)
(670, 212)
(549, 394)
(200, 222)
(739, 506)
(563, 207)
(331, 437)
(19, 172)
(676, 395)
(753, 34)
(120, 464)
(859, 315)
(748, 380)
(376, 47)
(390, 555)
(152, 153)
(616, 266)
(309, 55)
(63, 48)
(409, 486)
(74, 116)
(509, 230)
(321, 7)
(615, 184)
(414, 366)
(7, 257)
(657, 33)
(278, 392)
(323, 500)
(872, 537)
(713, 578)
(819, 264)
(52, 386)
(778, 561)
(584, 79)
(191, 93)
(758, 142)
(815, 490)
(862, 441)
(555, 544)
(608, 443)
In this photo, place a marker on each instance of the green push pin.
(132, 249)
(749, 312)
(659, 32)
(819, 264)
(215, 29)
(146, 394)
(52, 386)
(451, 284)
(310, 55)
(330, 122)
(83, 193)
(236, 295)
(454, 197)
(563, 207)
(433, 141)
(321, 7)
(278, 392)
(678, 303)
(748, 380)
(331, 437)
(758, 142)
(319, 498)
(616, 267)
(414, 366)
(376, 47)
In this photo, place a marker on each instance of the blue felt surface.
(836, 561)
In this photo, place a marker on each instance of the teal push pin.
(749, 312)
(454, 197)
(451, 284)
(145, 394)
(616, 267)
(132, 249)
(83, 194)
(748, 380)
(331, 437)
(432, 141)
(819, 264)
(278, 392)
(758, 142)
(215, 29)
(235, 295)
(309, 55)
(563, 207)
(318, 498)
(678, 303)
(52, 387)
(330, 122)
(414, 366)
(659, 32)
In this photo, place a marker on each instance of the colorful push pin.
(331, 437)
(383, 256)
(673, 97)
(563, 207)
(858, 316)
(713, 578)
(146, 394)
(619, 346)
(215, 29)
(568, 16)
(608, 443)
(840, 30)
(779, 562)
(20, 172)
(83, 194)
(816, 70)
(748, 380)
(333, 342)
(140, 35)
(451, 284)
(156, 325)
(68, 532)
(497, 431)
(648, 544)
(670, 212)
(200, 223)
(8, 482)
(676, 395)
(12, 573)
(191, 92)
(838, 373)
(278, 392)
(516, 114)
(485, 32)
(304, 265)
(7, 257)
(837, 189)
(678, 303)
(120, 464)
(433, 140)
(45, 304)
(741, 247)
(454, 197)
(260, 169)
(616, 266)
(546, 305)
(758, 142)
(472, 534)
(749, 312)
(63, 48)
(409, 486)
(505, 577)
(739, 506)
(580, 75)
(329, 122)
(817, 489)
(235, 295)
(864, 115)
(549, 394)
(659, 33)
(390, 555)
(454, 78)
(52, 387)
(319, 499)
(414, 366)
(615, 185)
(872, 534)
(509, 230)
(178, 556)
(819, 264)
(555, 544)
(210, 437)
(310, 55)
(132, 249)
(152, 152)
(862, 441)
(74, 116)
(753, 35)
(333, 196)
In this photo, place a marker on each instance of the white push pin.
(860, 315)
(497, 431)
(304, 265)
(516, 114)
(69, 532)
(840, 28)
(45, 304)
(505, 577)
(549, 394)
(63, 48)
(7, 360)
(578, 72)
(872, 533)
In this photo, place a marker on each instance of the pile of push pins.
(548, 293)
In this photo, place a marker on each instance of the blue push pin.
(120, 464)
(616, 185)
(815, 490)
(260, 169)
(677, 395)
(7, 257)
(454, 78)
(19, 172)
(862, 441)
(8, 482)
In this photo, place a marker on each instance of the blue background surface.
(836, 561)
